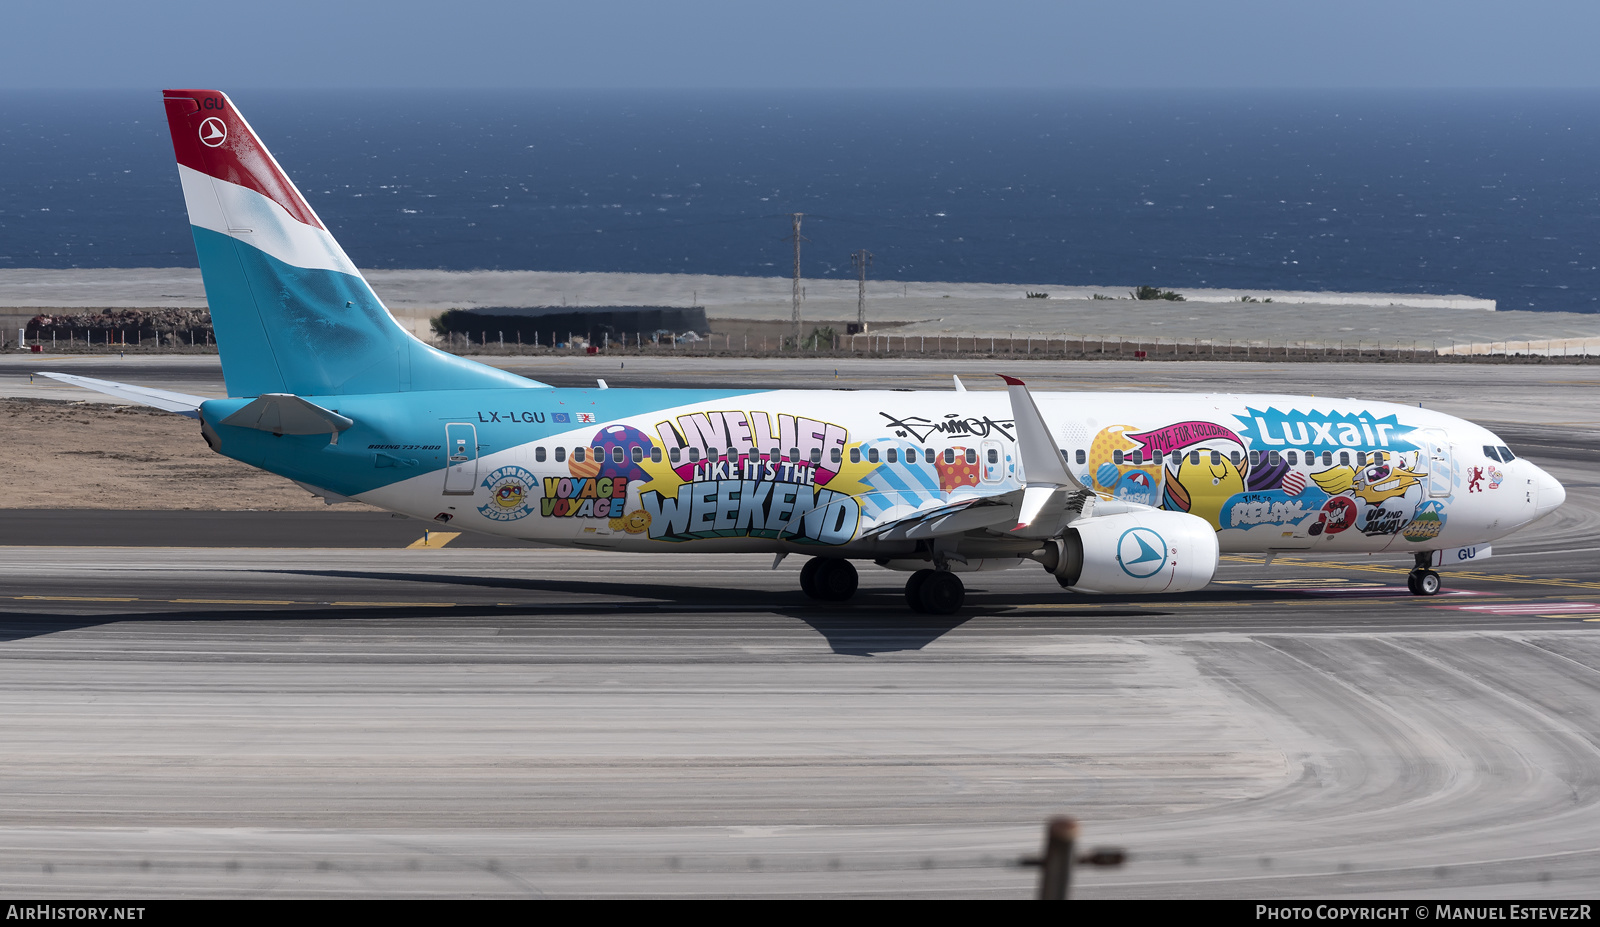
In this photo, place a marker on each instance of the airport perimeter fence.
(1037, 347)
(1047, 347)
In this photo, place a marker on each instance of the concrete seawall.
(760, 307)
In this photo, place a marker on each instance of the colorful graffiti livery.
(583, 497)
(752, 508)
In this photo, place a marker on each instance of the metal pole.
(860, 260)
(1055, 873)
(795, 295)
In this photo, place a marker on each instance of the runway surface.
(375, 720)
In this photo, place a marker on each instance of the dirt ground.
(90, 455)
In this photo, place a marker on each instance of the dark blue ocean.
(1492, 194)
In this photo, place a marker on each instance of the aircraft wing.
(1050, 499)
(166, 400)
(951, 518)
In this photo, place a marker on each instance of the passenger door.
(1437, 458)
(461, 444)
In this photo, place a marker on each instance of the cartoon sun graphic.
(635, 522)
(509, 494)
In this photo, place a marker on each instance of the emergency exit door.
(461, 444)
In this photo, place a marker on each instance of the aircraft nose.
(1548, 495)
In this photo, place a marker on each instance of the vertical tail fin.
(291, 312)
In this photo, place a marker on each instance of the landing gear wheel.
(914, 589)
(1426, 582)
(942, 594)
(808, 578)
(834, 580)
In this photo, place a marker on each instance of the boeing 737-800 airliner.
(1109, 492)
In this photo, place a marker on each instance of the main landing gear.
(935, 592)
(931, 592)
(828, 579)
(1422, 580)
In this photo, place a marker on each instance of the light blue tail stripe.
(285, 329)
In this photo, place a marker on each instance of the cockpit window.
(1506, 455)
(1490, 452)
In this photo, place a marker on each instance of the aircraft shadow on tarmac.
(875, 622)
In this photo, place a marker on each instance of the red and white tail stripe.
(232, 184)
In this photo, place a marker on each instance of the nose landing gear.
(1422, 580)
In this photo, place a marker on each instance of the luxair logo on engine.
(1141, 552)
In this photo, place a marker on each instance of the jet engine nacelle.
(1134, 552)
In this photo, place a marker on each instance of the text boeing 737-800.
(1111, 493)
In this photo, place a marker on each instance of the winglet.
(1042, 464)
(960, 387)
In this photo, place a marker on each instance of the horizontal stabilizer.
(287, 414)
(165, 400)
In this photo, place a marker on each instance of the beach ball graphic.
(612, 437)
(1102, 451)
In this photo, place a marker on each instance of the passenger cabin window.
(834, 456)
(855, 455)
(577, 454)
(694, 455)
(950, 455)
(972, 455)
(927, 455)
(675, 455)
(1216, 458)
(1255, 458)
(1327, 458)
(1273, 459)
(637, 454)
(1138, 457)
(1294, 458)
(872, 455)
(1344, 458)
(994, 456)
(561, 454)
(616, 454)
(893, 455)
(1361, 458)
(1236, 457)
(1080, 456)
(1116, 457)
(794, 453)
(538, 454)
(655, 455)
